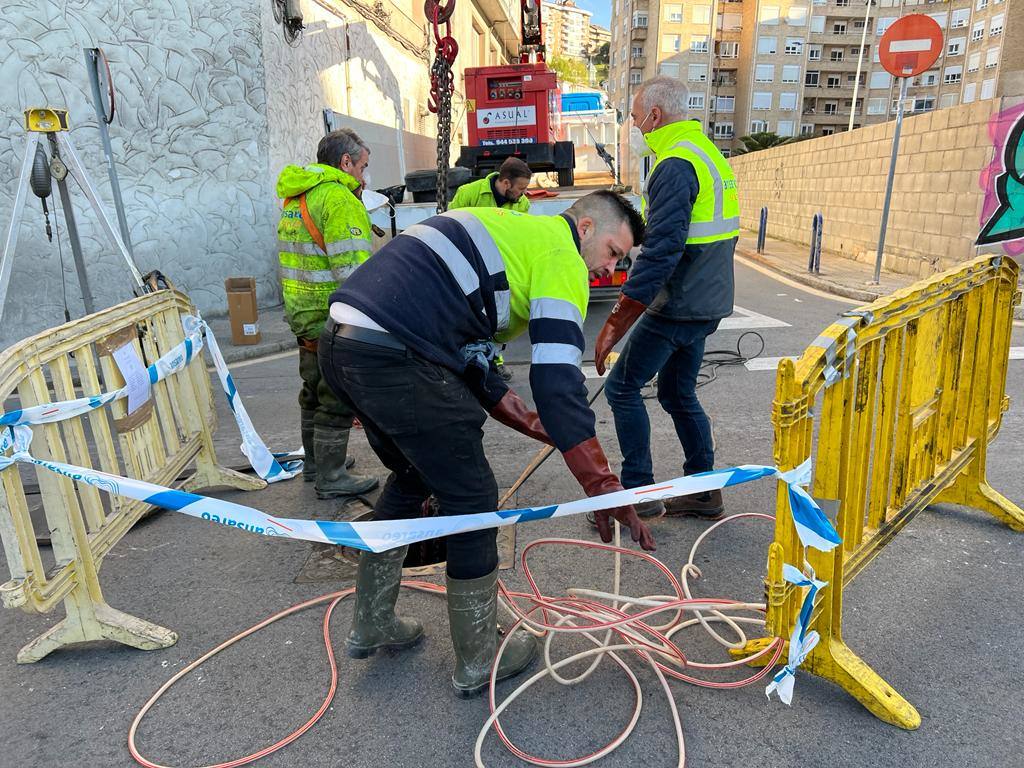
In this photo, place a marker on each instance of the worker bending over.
(410, 354)
(505, 188)
(681, 284)
(323, 234)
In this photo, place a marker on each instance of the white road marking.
(794, 284)
(746, 318)
(1017, 353)
(765, 363)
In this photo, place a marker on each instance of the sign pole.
(889, 181)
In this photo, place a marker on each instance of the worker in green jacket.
(324, 235)
(505, 188)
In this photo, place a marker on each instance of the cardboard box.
(242, 311)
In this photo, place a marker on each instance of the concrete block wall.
(936, 201)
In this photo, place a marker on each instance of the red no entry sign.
(910, 45)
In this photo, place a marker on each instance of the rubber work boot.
(309, 463)
(473, 618)
(330, 446)
(374, 623)
(706, 506)
(645, 510)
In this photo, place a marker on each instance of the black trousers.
(426, 426)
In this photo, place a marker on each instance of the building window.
(836, 54)
(784, 128)
(787, 101)
(640, 20)
(960, 18)
(670, 43)
(637, 51)
(811, 79)
(988, 88)
(702, 14)
(828, 130)
(888, 21)
(726, 152)
(732, 21)
(635, 78)
(970, 90)
(797, 16)
(791, 73)
(725, 104)
(923, 104)
(794, 46)
(991, 58)
(981, 5)
(956, 46)
(947, 100)
(974, 62)
(833, 81)
(758, 126)
(881, 79)
(674, 13)
(728, 50)
(668, 69)
(762, 100)
(767, 45)
(698, 44)
(876, 106)
(695, 101)
(817, 23)
(764, 73)
(697, 73)
(831, 108)
(769, 14)
(940, 19)
(995, 27)
(842, 3)
(930, 78)
(723, 130)
(952, 75)
(807, 129)
(978, 30)
(814, 53)
(839, 28)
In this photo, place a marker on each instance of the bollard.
(762, 230)
(814, 257)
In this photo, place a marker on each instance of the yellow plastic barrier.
(156, 443)
(896, 405)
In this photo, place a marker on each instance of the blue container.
(581, 102)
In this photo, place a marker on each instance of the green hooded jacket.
(478, 194)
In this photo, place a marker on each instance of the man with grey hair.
(681, 284)
(323, 235)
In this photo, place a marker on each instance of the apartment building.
(566, 29)
(799, 67)
(598, 36)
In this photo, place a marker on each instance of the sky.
(602, 10)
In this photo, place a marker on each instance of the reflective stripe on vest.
(334, 248)
(335, 275)
(719, 225)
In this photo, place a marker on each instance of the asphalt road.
(938, 615)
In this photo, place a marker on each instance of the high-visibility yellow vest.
(716, 212)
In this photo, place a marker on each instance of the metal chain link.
(442, 86)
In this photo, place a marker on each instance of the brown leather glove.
(624, 314)
(588, 464)
(512, 412)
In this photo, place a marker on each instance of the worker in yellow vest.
(680, 288)
(323, 236)
(505, 188)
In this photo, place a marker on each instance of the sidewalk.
(276, 336)
(839, 275)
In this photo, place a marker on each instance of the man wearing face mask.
(505, 188)
(323, 235)
(409, 352)
(680, 287)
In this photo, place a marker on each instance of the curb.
(238, 354)
(813, 281)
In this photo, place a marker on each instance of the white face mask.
(367, 184)
(637, 141)
(373, 200)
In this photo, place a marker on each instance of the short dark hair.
(609, 208)
(514, 168)
(336, 144)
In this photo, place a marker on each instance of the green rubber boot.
(374, 623)
(473, 617)
(330, 447)
(306, 430)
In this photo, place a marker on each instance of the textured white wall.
(189, 137)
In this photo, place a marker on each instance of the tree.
(755, 142)
(569, 70)
(601, 54)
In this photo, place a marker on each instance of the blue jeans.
(673, 350)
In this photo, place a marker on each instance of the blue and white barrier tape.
(176, 360)
(802, 642)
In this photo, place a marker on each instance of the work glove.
(624, 314)
(589, 466)
(512, 412)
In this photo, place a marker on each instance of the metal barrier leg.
(970, 490)
(88, 620)
(210, 474)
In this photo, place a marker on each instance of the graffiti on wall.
(1002, 215)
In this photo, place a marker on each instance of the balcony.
(637, 62)
(638, 33)
(849, 64)
(723, 82)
